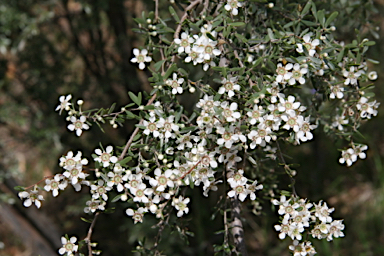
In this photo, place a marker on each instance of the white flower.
(251, 189)
(352, 75)
(181, 205)
(167, 126)
(151, 127)
(175, 83)
(162, 180)
(64, 103)
(335, 230)
(31, 197)
(70, 161)
(117, 178)
(229, 86)
(283, 73)
(297, 74)
(232, 6)
(105, 157)
(309, 45)
(100, 190)
(141, 57)
(255, 115)
(137, 215)
(55, 185)
(348, 156)
(69, 246)
(94, 205)
(74, 174)
(367, 109)
(322, 212)
(229, 112)
(185, 43)
(78, 125)
(336, 92)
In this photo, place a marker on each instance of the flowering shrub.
(256, 85)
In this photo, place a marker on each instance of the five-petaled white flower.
(64, 103)
(141, 57)
(184, 43)
(232, 6)
(309, 44)
(181, 205)
(69, 246)
(105, 157)
(78, 125)
(175, 83)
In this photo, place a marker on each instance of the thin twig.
(88, 238)
(280, 154)
(184, 17)
(156, 10)
(129, 142)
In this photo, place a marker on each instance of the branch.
(237, 227)
(285, 168)
(88, 238)
(129, 142)
(184, 17)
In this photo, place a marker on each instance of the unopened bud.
(271, 5)
(149, 21)
(80, 102)
(114, 126)
(160, 156)
(141, 107)
(192, 89)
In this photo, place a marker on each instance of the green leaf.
(241, 37)
(374, 61)
(340, 55)
(187, 129)
(116, 198)
(331, 18)
(321, 17)
(134, 98)
(19, 188)
(111, 108)
(85, 220)
(158, 65)
(306, 8)
(270, 34)
(149, 107)
(236, 24)
(125, 160)
(174, 14)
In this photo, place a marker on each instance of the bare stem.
(282, 159)
(237, 228)
(89, 235)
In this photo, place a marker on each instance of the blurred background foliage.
(53, 47)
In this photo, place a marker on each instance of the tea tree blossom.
(184, 43)
(229, 86)
(336, 92)
(175, 83)
(283, 73)
(348, 156)
(309, 44)
(180, 204)
(78, 125)
(367, 109)
(64, 103)
(141, 57)
(31, 197)
(297, 74)
(69, 246)
(137, 215)
(105, 157)
(232, 6)
(55, 184)
(352, 75)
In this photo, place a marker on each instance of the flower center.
(105, 157)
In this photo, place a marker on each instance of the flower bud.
(114, 126)
(192, 89)
(271, 5)
(149, 21)
(160, 156)
(80, 102)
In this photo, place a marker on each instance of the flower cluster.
(199, 49)
(300, 215)
(350, 155)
